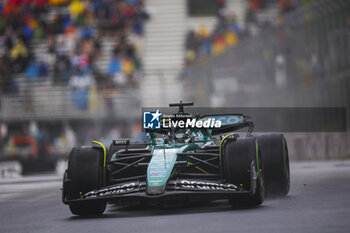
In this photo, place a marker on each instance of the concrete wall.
(318, 146)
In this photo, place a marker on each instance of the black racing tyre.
(237, 156)
(85, 172)
(274, 153)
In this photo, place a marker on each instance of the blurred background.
(76, 70)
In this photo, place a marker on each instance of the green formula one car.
(179, 164)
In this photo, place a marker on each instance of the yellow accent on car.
(222, 142)
(172, 172)
(198, 168)
(104, 152)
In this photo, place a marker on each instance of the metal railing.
(64, 103)
(44, 99)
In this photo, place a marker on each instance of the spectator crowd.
(203, 43)
(73, 32)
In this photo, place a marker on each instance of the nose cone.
(156, 190)
(160, 168)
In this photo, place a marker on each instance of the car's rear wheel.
(85, 172)
(238, 157)
(274, 153)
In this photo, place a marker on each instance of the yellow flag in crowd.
(58, 2)
(76, 7)
(231, 38)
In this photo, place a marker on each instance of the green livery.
(179, 163)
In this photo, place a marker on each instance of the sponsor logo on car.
(113, 190)
(226, 119)
(207, 186)
(160, 174)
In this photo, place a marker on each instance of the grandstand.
(69, 65)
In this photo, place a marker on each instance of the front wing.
(175, 189)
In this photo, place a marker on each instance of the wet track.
(319, 201)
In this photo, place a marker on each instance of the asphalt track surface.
(319, 201)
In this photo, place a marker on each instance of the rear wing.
(230, 122)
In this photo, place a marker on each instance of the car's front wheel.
(239, 158)
(85, 173)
